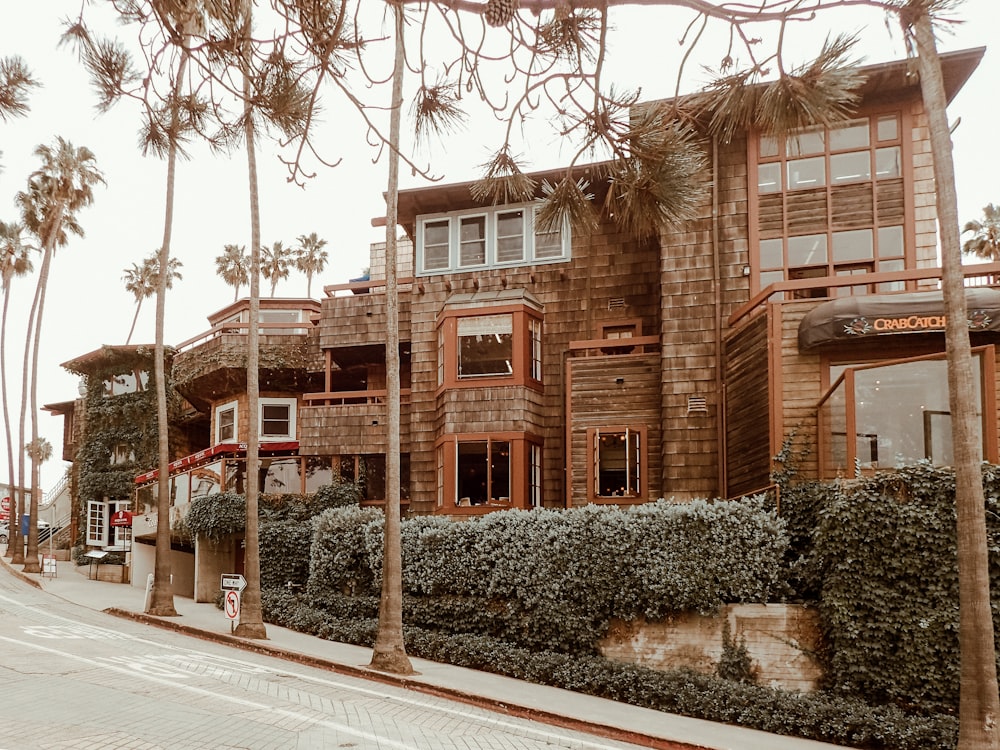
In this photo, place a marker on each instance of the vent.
(616, 303)
(697, 405)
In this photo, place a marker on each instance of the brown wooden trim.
(776, 382)
(643, 495)
(986, 270)
(519, 471)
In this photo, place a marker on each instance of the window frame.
(221, 409)
(520, 478)
(292, 404)
(453, 220)
(641, 493)
(526, 349)
(97, 523)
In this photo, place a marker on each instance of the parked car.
(3, 532)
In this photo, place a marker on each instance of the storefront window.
(890, 416)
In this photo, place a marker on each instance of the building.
(552, 368)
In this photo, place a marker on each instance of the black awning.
(853, 318)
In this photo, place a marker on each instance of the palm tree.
(276, 263)
(979, 702)
(233, 267)
(143, 281)
(15, 80)
(14, 261)
(389, 650)
(310, 257)
(985, 240)
(57, 191)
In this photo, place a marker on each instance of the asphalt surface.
(555, 706)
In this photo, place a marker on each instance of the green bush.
(552, 580)
(813, 716)
(881, 560)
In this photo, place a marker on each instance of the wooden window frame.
(446, 452)
(642, 491)
(219, 411)
(521, 348)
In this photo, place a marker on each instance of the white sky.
(87, 305)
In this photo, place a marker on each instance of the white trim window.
(227, 422)
(277, 418)
(500, 237)
(97, 523)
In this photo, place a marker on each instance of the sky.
(87, 305)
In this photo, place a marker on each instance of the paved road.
(71, 677)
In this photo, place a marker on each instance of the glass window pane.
(850, 167)
(206, 480)
(319, 472)
(890, 242)
(499, 472)
(888, 127)
(282, 475)
(808, 250)
(891, 265)
(436, 242)
(810, 141)
(767, 146)
(771, 254)
(806, 173)
(472, 241)
(227, 425)
(548, 243)
(617, 469)
(853, 134)
(769, 178)
(888, 162)
(771, 277)
(853, 245)
(485, 345)
(473, 473)
(510, 236)
(275, 420)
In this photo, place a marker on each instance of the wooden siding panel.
(748, 442)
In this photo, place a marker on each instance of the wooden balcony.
(349, 422)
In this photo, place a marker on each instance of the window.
(485, 346)
(368, 472)
(897, 414)
(97, 523)
(225, 423)
(127, 382)
(122, 454)
(277, 418)
(478, 347)
(484, 472)
(495, 237)
(618, 465)
(119, 536)
(817, 190)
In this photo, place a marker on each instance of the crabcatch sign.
(233, 582)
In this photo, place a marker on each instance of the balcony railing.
(282, 329)
(610, 347)
(347, 398)
(976, 275)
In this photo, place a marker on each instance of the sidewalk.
(608, 718)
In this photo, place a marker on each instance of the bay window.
(488, 471)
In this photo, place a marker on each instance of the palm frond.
(504, 181)
(567, 203)
(111, 71)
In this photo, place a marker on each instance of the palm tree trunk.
(389, 652)
(31, 562)
(13, 524)
(138, 307)
(251, 610)
(979, 705)
(161, 596)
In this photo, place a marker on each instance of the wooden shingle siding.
(748, 439)
(348, 429)
(358, 319)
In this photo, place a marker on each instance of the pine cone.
(500, 12)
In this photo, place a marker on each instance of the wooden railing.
(351, 398)
(363, 287)
(283, 329)
(981, 274)
(605, 347)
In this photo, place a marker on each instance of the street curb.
(524, 712)
(23, 576)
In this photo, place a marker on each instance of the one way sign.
(233, 582)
